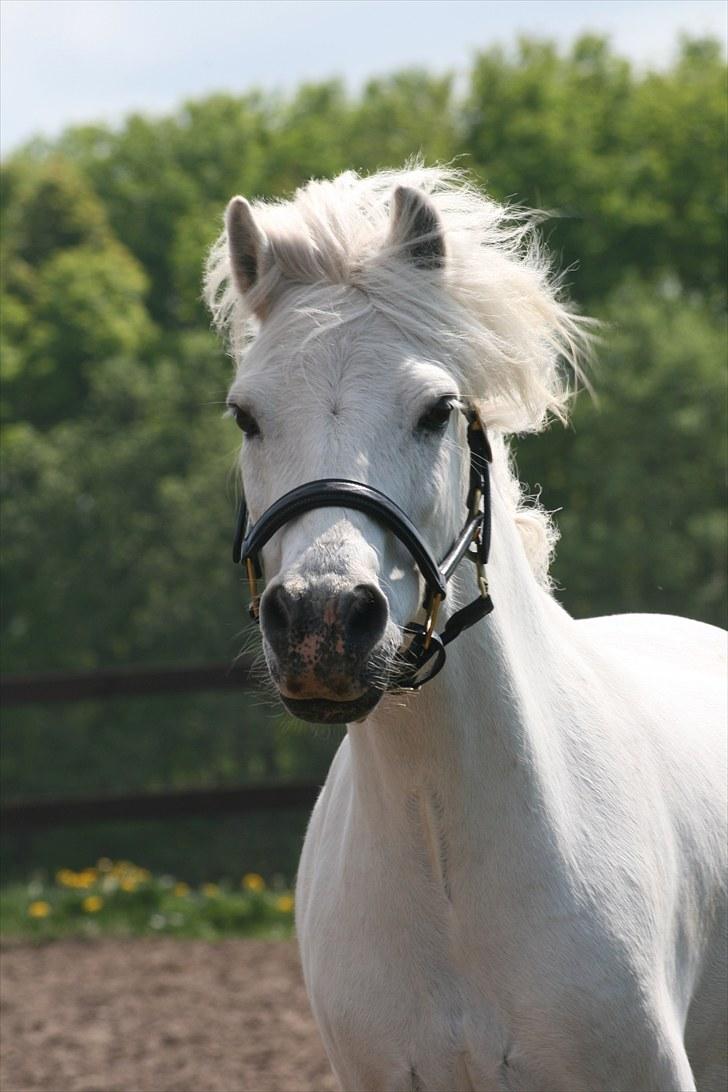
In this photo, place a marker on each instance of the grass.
(118, 898)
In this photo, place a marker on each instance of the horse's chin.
(325, 711)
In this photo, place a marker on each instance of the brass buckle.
(431, 620)
(253, 585)
(475, 425)
(479, 566)
(482, 578)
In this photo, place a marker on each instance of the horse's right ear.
(246, 243)
(415, 228)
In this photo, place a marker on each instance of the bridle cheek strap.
(423, 659)
(424, 656)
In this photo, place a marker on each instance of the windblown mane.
(494, 315)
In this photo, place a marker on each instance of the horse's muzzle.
(319, 644)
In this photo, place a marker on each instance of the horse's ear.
(416, 229)
(246, 243)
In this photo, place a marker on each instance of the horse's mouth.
(326, 711)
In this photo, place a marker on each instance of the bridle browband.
(424, 657)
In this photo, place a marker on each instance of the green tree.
(674, 205)
(48, 206)
(638, 479)
(158, 176)
(106, 490)
(86, 305)
(632, 166)
(72, 294)
(145, 193)
(410, 113)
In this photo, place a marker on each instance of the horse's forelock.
(495, 309)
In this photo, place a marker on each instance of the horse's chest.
(402, 1012)
(391, 999)
(397, 1016)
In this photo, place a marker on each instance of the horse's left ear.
(416, 229)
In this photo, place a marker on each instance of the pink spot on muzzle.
(313, 664)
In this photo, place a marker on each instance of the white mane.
(494, 316)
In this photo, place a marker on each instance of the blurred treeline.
(117, 483)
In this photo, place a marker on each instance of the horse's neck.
(483, 728)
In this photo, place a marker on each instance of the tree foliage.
(631, 166)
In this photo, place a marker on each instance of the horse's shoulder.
(667, 676)
(673, 657)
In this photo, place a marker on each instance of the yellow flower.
(123, 868)
(284, 903)
(181, 889)
(39, 909)
(66, 877)
(92, 903)
(128, 883)
(210, 889)
(87, 878)
(253, 882)
(143, 875)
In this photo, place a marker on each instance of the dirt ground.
(158, 1015)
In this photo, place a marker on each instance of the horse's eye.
(245, 421)
(435, 418)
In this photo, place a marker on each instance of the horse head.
(358, 347)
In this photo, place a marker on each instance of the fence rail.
(31, 813)
(54, 686)
(44, 812)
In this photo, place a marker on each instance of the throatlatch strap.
(466, 617)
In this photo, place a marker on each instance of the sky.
(70, 61)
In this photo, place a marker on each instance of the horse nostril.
(275, 613)
(364, 613)
(302, 630)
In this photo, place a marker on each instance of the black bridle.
(421, 660)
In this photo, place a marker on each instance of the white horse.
(513, 878)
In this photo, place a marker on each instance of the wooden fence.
(32, 813)
(118, 682)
